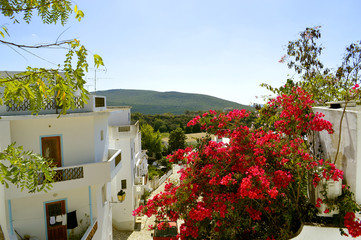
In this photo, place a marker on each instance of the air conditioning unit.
(333, 189)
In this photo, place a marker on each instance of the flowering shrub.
(254, 187)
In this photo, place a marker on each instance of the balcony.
(94, 104)
(77, 176)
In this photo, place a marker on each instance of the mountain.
(153, 102)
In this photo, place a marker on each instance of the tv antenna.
(95, 77)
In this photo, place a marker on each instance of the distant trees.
(177, 140)
(168, 122)
(151, 141)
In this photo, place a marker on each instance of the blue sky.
(223, 48)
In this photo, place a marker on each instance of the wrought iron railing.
(64, 174)
(49, 105)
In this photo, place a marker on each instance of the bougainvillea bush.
(257, 185)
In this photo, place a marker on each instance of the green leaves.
(98, 61)
(25, 169)
(151, 140)
(4, 31)
(50, 11)
(63, 86)
(79, 13)
(40, 85)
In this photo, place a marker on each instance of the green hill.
(153, 102)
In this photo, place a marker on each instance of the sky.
(222, 48)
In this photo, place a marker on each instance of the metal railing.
(89, 234)
(77, 172)
(64, 174)
(49, 105)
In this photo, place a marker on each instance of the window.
(124, 129)
(124, 184)
(101, 135)
(99, 102)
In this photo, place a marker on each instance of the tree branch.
(36, 46)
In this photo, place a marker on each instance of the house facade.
(133, 176)
(80, 201)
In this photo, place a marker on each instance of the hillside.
(153, 102)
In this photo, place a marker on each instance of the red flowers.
(240, 189)
(296, 116)
(353, 225)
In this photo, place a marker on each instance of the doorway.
(55, 220)
(51, 149)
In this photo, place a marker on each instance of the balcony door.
(51, 149)
(55, 212)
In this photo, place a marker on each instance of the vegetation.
(153, 171)
(177, 140)
(152, 102)
(325, 84)
(38, 85)
(167, 122)
(258, 186)
(151, 141)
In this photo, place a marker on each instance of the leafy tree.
(40, 85)
(22, 169)
(177, 140)
(325, 85)
(151, 141)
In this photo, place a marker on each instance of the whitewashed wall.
(80, 136)
(101, 137)
(120, 117)
(104, 212)
(5, 137)
(29, 214)
(5, 140)
(349, 157)
(122, 212)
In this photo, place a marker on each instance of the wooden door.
(56, 229)
(51, 149)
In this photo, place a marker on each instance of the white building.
(133, 176)
(79, 143)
